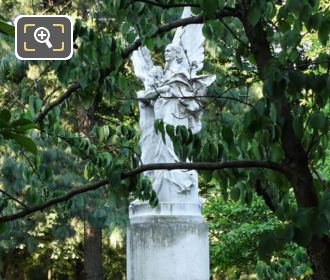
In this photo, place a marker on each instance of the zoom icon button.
(43, 37)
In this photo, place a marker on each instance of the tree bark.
(296, 157)
(93, 252)
(92, 234)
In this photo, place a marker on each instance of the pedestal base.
(164, 246)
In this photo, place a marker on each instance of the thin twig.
(318, 175)
(33, 168)
(14, 198)
(234, 34)
(51, 94)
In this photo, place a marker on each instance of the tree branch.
(162, 29)
(157, 166)
(13, 198)
(164, 6)
(261, 191)
(42, 114)
(226, 12)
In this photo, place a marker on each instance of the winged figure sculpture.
(172, 94)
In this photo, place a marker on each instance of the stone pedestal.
(169, 242)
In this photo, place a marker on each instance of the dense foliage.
(69, 136)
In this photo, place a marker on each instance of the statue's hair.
(178, 51)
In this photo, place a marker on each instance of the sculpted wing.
(191, 39)
(142, 63)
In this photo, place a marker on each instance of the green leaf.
(159, 126)
(227, 134)
(294, 5)
(276, 153)
(77, 27)
(290, 38)
(100, 214)
(63, 74)
(235, 193)
(270, 10)
(35, 104)
(147, 191)
(254, 14)
(116, 59)
(31, 196)
(210, 7)
(273, 113)
(3, 205)
(260, 268)
(298, 127)
(324, 32)
(319, 223)
(63, 231)
(267, 243)
(221, 4)
(261, 106)
(288, 233)
(102, 132)
(303, 235)
(315, 21)
(48, 173)
(6, 28)
(297, 80)
(207, 175)
(153, 201)
(306, 13)
(207, 31)
(115, 176)
(24, 141)
(31, 245)
(24, 124)
(170, 131)
(317, 120)
(5, 116)
(158, 123)
(183, 132)
(122, 82)
(2, 227)
(84, 81)
(150, 42)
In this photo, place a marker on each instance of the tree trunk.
(93, 252)
(319, 254)
(296, 157)
(92, 233)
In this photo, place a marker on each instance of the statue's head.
(173, 52)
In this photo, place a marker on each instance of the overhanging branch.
(226, 12)
(74, 87)
(157, 166)
(164, 6)
(207, 166)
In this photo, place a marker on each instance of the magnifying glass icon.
(41, 35)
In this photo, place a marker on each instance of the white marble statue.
(174, 96)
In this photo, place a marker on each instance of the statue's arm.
(150, 94)
(153, 93)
